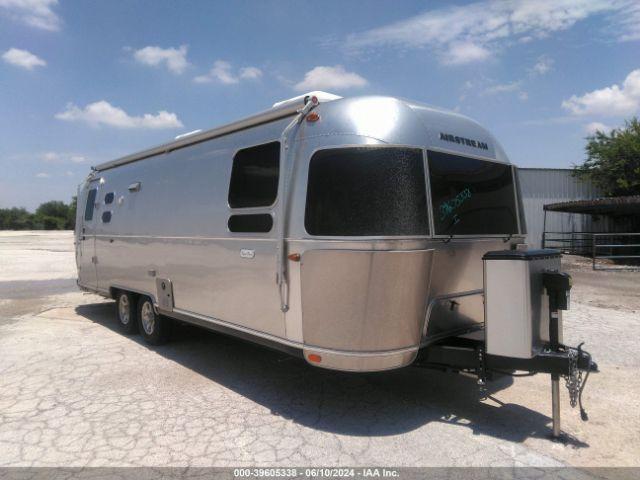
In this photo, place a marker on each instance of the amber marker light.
(313, 117)
(314, 358)
(294, 257)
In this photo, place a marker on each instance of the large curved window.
(367, 191)
(471, 196)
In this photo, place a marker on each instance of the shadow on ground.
(370, 404)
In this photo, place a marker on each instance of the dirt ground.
(74, 391)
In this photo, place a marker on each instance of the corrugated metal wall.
(542, 186)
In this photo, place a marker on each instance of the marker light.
(313, 117)
(294, 257)
(314, 358)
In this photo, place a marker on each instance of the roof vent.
(322, 96)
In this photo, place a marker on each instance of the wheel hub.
(124, 309)
(148, 318)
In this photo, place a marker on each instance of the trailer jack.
(468, 355)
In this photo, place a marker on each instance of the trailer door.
(87, 273)
(251, 297)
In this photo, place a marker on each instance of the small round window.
(108, 198)
(106, 217)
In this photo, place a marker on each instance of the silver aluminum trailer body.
(348, 300)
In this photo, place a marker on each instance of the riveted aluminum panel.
(364, 300)
(164, 295)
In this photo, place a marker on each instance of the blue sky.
(82, 82)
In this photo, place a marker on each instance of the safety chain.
(482, 375)
(573, 379)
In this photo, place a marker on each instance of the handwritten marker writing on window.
(449, 207)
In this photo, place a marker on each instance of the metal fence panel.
(541, 186)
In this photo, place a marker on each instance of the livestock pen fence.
(608, 251)
(616, 246)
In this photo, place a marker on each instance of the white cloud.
(469, 33)
(336, 77)
(608, 101)
(593, 127)
(103, 113)
(42, 175)
(465, 52)
(627, 21)
(50, 157)
(56, 157)
(250, 72)
(22, 58)
(222, 72)
(503, 88)
(35, 13)
(175, 59)
(543, 65)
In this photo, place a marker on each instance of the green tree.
(54, 215)
(54, 208)
(47, 222)
(613, 160)
(16, 219)
(70, 224)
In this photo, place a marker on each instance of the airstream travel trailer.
(361, 234)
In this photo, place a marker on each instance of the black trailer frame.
(466, 351)
(467, 354)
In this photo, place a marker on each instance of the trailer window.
(258, 223)
(108, 198)
(91, 201)
(106, 217)
(366, 191)
(254, 176)
(471, 196)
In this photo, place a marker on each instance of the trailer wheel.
(154, 328)
(127, 312)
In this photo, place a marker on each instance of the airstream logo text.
(464, 141)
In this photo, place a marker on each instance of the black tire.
(154, 328)
(127, 312)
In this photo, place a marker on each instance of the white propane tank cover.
(516, 304)
(321, 96)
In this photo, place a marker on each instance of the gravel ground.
(76, 392)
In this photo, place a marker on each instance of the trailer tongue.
(524, 295)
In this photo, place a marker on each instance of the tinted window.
(259, 223)
(91, 201)
(470, 196)
(366, 191)
(254, 176)
(106, 217)
(108, 198)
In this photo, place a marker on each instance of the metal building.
(542, 186)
